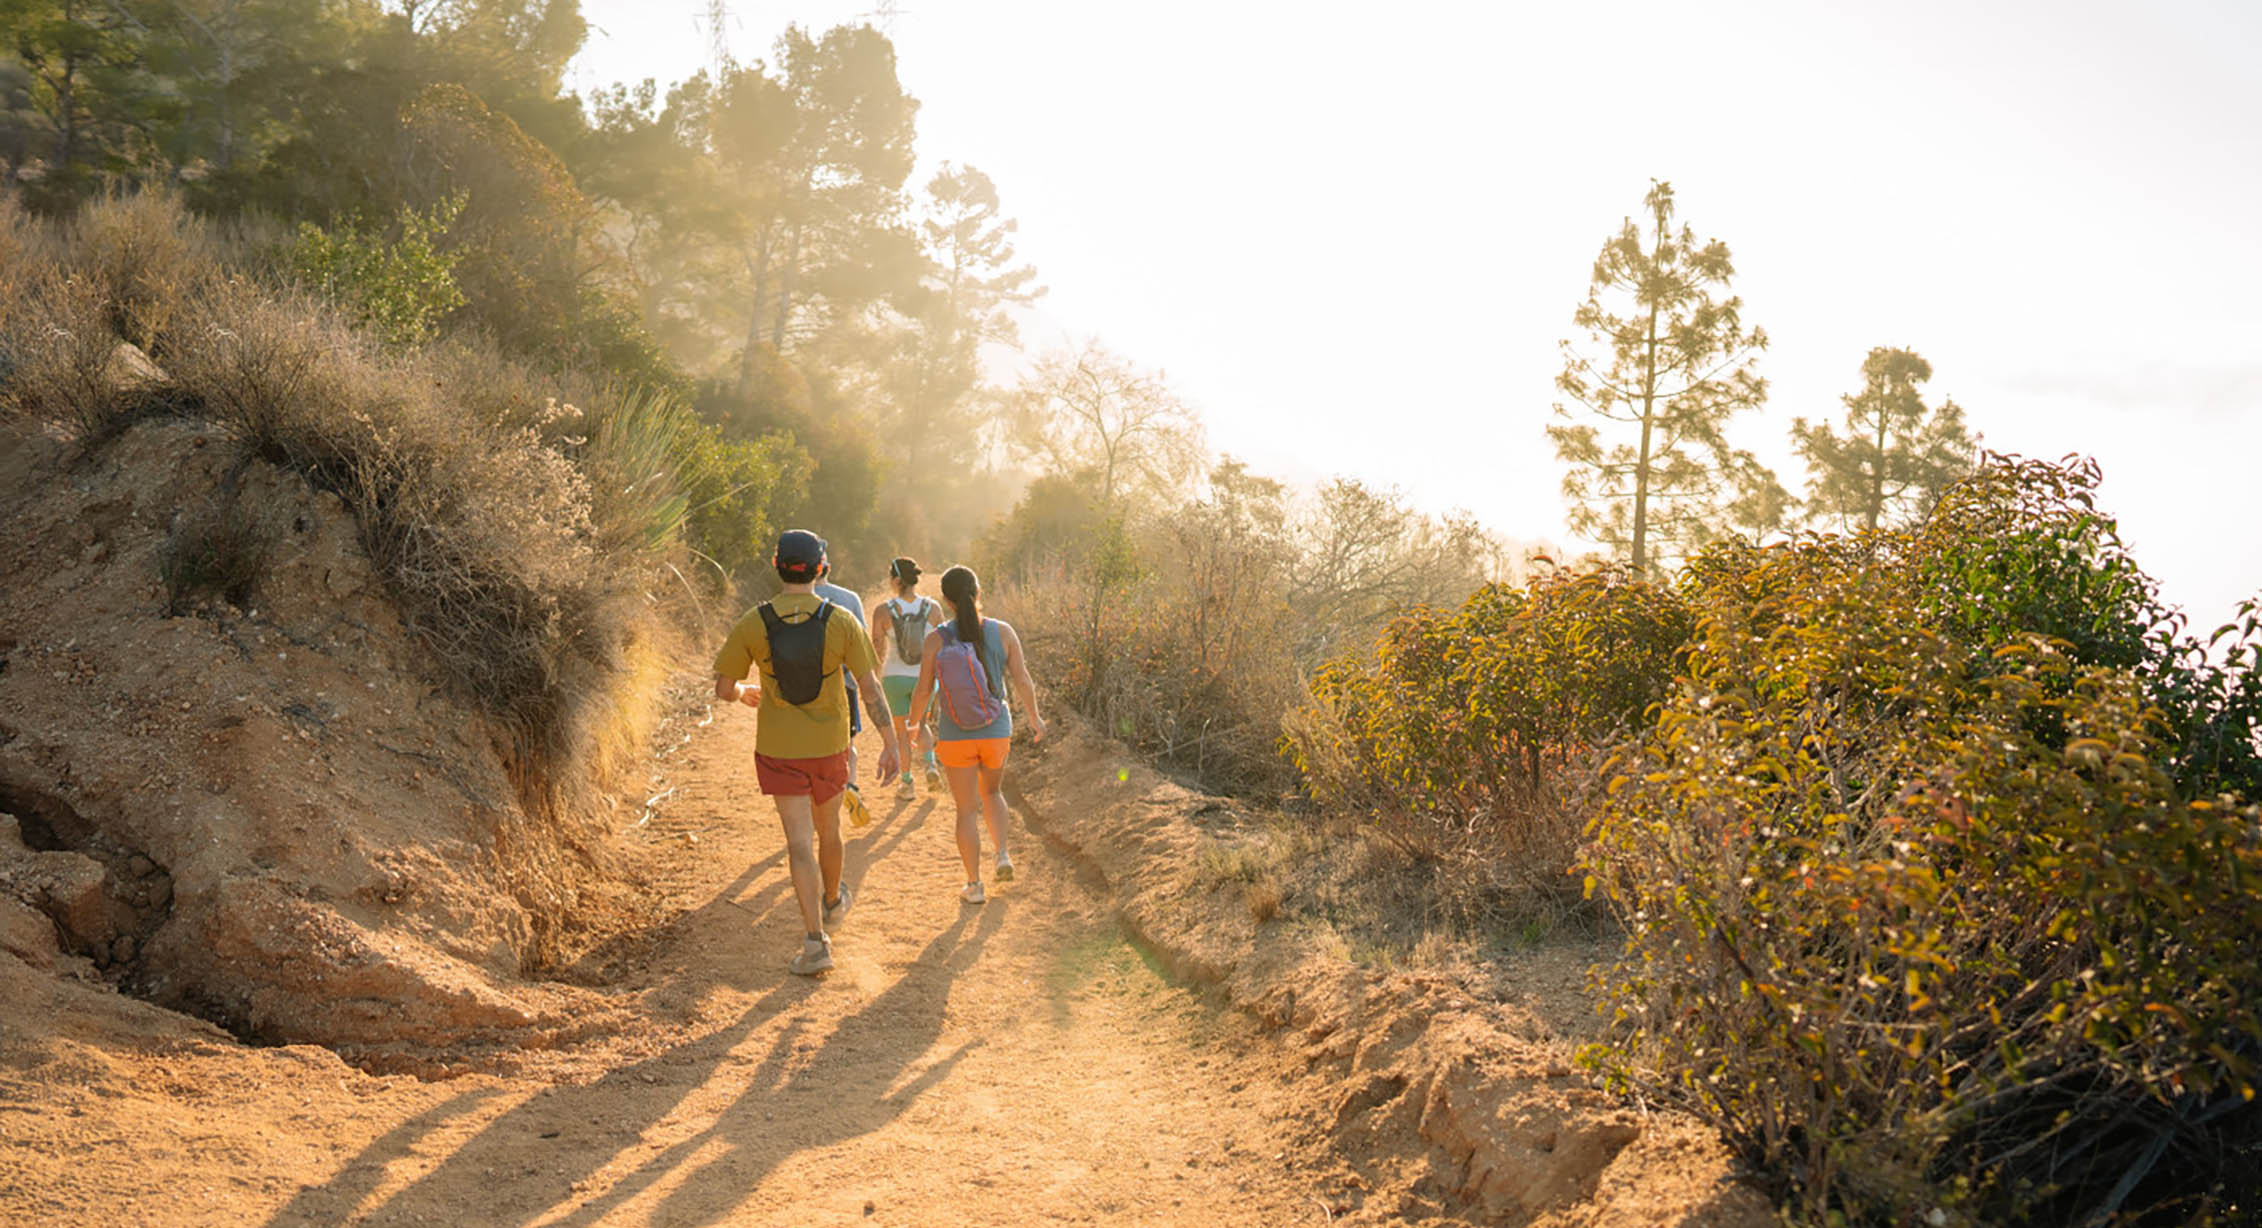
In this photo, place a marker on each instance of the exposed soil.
(255, 804)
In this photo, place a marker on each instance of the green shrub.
(1470, 733)
(1918, 914)
(742, 493)
(400, 285)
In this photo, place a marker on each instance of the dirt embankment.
(1445, 1103)
(257, 809)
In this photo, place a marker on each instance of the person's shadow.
(535, 1159)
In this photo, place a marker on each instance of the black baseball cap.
(800, 554)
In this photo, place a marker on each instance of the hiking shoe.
(973, 894)
(1004, 868)
(816, 956)
(837, 911)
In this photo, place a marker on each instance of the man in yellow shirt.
(804, 648)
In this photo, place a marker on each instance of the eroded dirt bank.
(236, 788)
(1445, 1104)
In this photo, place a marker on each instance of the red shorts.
(822, 778)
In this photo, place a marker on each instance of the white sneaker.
(904, 787)
(974, 894)
(837, 911)
(1004, 868)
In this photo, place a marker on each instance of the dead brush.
(483, 533)
(219, 551)
(146, 258)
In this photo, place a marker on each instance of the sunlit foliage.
(1896, 455)
(1933, 909)
(1666, 363)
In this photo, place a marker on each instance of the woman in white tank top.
(905, 617)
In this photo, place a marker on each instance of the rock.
(130, 369)
(69, 888)
(27, 934)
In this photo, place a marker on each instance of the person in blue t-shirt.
(854, 605)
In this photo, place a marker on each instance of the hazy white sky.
(1354, 234)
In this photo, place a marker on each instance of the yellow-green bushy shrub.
(1465, 730)
(1922, 913)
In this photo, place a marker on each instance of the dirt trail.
(1016, 1062)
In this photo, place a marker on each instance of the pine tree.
(1669, 362)
(1896, 455)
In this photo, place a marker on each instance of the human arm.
(878, 628)
(924, 690)
(731, 690)
(876, 711)
(737, 662)
(1024, 687)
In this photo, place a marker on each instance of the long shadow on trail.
(907, 1018)
(540, 1160)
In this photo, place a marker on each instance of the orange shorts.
(821, 778)
(973, 752)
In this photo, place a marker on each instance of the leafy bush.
(1473, 734)
(399, 285)
(1173, 632)
(1919, 913)
(742, 493)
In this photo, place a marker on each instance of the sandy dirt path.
(1015, 1062)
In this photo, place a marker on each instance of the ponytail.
(905, 573)
(964, 591)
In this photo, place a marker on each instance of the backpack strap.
(771, 623)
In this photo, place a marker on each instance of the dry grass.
(536, 600)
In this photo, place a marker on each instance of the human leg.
(963, 791)
(898, 689)
(797, 815)
(808, 795)
(825, 817)
(990, 782)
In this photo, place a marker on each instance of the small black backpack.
(797, 653)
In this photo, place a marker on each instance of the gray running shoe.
(1004, 868)
(816, 956)
(837, 911)
(974, 893)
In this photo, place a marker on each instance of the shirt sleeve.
(736, 660)
(856, 649)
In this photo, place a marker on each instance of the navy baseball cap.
(800, 554)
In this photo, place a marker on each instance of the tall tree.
(1668, 362)
(1896, 455)
(83, 60)
(972, 277)
(818, 154)
(1092, 409)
